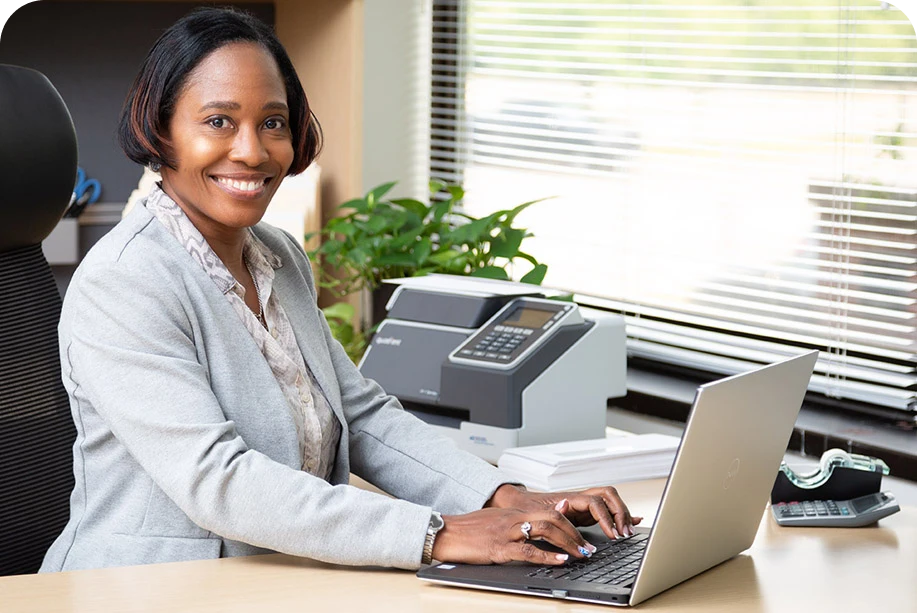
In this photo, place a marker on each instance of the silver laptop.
(711, 508)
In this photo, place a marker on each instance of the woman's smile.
(243, 187)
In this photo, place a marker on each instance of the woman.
(215, 414)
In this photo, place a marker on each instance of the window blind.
(738, 178)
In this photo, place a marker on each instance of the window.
(737, 177)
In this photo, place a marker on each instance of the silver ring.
(526, 528)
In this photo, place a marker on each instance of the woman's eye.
(275, 123)
(217, 122)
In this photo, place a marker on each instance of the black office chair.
(38, 158)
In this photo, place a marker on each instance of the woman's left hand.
(600, 505)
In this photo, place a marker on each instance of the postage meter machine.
(496, 364)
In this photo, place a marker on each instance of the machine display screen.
(526, 317)
(865, 503)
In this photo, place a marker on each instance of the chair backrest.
(38, 157)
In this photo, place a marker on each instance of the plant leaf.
(331, 246)
(344, 333)
(402, 241)
(422, 251)
(536, 275)
(390, 220)
(436, 186)
(507, 243)
(347, 229)
(511, 214)
(445, 256)
(373, 225)
(476, 231)
(490, 272)
(358, 256)
(527, 258)
(375, 194)
(456, 191)
(339, 310)
(396, 259)
(415, 206)
(440, 209)
(332, 225)
(358, 204)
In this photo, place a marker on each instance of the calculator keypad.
(498, 344)
(861, 511)
(810, 508)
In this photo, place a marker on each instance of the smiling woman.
(218, 109)
(216, 415)
(229, 155)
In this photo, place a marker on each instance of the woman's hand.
(496, 536)
(600, 505)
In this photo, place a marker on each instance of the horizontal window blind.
(737, 177)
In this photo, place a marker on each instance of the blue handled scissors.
(85, 192)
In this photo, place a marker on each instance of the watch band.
(436, 524)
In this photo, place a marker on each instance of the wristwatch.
(436, 524)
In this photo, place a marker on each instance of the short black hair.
(150, 102)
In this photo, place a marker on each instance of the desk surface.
(787, 569)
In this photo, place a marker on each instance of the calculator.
(860, 511)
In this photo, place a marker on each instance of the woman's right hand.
(495, 536)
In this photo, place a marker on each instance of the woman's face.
(231, 139)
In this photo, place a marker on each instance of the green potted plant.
(385, 239)
(379, 238)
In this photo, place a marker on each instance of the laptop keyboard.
(614, 563)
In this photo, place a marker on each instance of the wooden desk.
(787, 569)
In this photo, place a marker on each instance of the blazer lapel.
(307, 328)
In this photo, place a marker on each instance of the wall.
(324, 40)
(396, 101)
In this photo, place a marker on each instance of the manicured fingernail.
(584, 551)
(614, 530)
(560, 505)
(590, 547)
(630, 530)
(562, 557)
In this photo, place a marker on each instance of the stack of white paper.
(592, 463)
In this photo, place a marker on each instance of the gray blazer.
(185, 448)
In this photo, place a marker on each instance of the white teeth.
(245, 186)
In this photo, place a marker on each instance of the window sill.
(817, 429)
